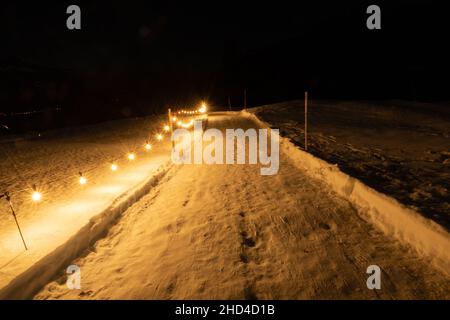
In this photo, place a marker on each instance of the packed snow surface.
(53, 161)
(227, 232)
(399, 148)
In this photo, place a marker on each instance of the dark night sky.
(133, 57)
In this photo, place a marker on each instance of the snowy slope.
(399, 148)
(226, 232)
(53, 162)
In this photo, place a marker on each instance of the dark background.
(134, 58)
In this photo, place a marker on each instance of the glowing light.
(114, 167)
(36, 196)
(166, 128)
(202, 108)
(159, 136)
(179, 123)
(187, 125)
(174, 118)
(148, 146)
(131, 156)
(82, 180)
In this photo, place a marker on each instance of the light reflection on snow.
(61, 219)
(108, 189)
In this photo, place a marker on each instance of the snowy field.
(227, 232)
(156, 230)
(53, 161)
(399, 148)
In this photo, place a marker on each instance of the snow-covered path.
(53, 161)
(226, 232)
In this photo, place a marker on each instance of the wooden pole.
(8, 198)
(171, 127)
(245, 98)
(306, 120)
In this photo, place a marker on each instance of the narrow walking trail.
(227, 232)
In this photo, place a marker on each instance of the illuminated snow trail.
(226, 232)
(66, 206)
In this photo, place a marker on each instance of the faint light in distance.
(36, 195)
(82, 180)
(188, 124)
(202, 108)
(131, 156)
(114, 167)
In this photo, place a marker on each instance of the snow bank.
(393, 218)
(32, 280)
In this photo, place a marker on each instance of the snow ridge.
(26, 285)
(406, 225)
